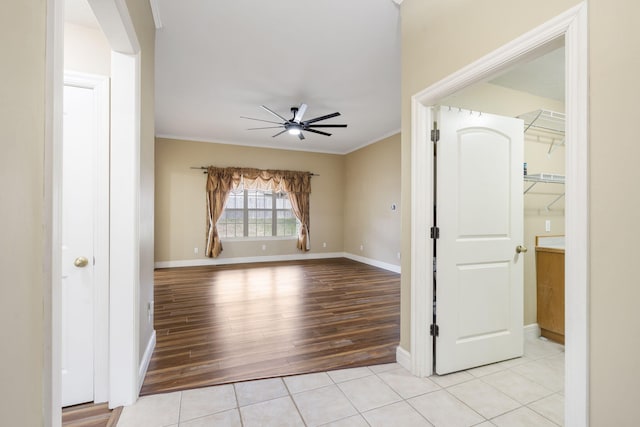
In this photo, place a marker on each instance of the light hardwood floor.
(90, 415)
(223, 324)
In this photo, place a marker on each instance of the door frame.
(123, 353)
(572, 26)
(99, 85)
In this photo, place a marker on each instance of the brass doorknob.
(521, 249)
(80, 262)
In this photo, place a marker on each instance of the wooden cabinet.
(550, 292)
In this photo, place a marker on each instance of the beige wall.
(455, 33)
(614, 67)
(22, 261)
(439, 38)
(442, 37)
(142, 19)
(372, 185)
(180, 198)
(86, 50)
(491, 98)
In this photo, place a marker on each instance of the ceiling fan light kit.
(296, 126)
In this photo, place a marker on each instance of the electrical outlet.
(398, 255)
(195, 251)
(362, 247)
(547, 225)
(264, 247)
(324, 244)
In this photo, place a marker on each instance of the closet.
(547, 127)
(544, 180)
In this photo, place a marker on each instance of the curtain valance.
(259, 179)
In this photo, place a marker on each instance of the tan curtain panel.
(300, 208)
(220, 181)
(219, 184)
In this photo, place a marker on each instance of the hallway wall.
(23, 260)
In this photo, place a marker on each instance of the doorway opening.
(569, 27)
(119, 360)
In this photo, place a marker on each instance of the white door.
(78, 192)
(479, 278)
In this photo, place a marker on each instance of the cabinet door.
(550, 293)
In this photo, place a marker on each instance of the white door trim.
(572, 25)
(125, 220)
(52, 363)
(100, 87)
(114, 18)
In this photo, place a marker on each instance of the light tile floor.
(528, 391)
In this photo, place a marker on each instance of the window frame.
(274, 218)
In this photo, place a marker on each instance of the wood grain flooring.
(90, 415)
(224, 324)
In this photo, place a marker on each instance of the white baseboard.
(403, 357)
(245, 260)
(373, 262)
(146, 359)
(532, 331)
(274, 258)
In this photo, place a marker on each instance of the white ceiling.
(543, 76)
(219, 60)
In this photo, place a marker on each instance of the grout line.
(235, 396)
(402, 399)
(180, 409)
(473, 410)
(293, 400)
(542, 415)
(416, 409)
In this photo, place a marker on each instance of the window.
(255, 213)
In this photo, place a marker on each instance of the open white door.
(479, 278)
(78, 210)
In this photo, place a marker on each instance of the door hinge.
(435, 135)
(435, 132)
(434, 330)
(435, 265)
(435, 232)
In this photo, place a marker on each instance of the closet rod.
(205, 170)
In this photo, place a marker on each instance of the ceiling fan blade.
(274, 113)
(300, 113)
(279, 133)
(317, 119)
(260, 120)
(268, 127)
(300, 136)
(317, 131)
(327, 126)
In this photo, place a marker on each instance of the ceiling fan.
(296, 125)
